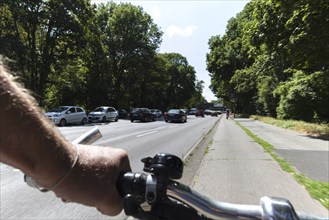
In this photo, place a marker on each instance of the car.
(185, 111)
(103, 114)
(123, 114)
(199, 112)
(141, 114)
(214, 113)
(175, 115)
(207, 112)
(156, 112)
(64, 115)
(193, 111)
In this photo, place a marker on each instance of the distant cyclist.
(227, 113)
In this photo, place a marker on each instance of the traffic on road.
(138, 138)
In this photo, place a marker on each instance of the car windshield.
(136, 110)
(99, 109)
(59, 109)
(176, 111)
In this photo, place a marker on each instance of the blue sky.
(187, 27)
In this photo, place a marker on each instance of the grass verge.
(311, 129)
(318, 190)
(208, 147)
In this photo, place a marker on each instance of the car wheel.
(104, 119)
(84, 121)
(62, 122)
(132, 120)
(166, 121)
(116, 119)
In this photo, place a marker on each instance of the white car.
(103, 114)
(67, 115)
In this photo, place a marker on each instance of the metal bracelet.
(31, 182)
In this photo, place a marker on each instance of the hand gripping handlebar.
(156, 195)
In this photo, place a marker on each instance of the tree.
(180, 80)
(36, 34)
(226, 62)
(304, 97)
(197, 99)
(76, 53)
(132, 40)
(266, 47)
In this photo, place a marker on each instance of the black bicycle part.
(145, 194)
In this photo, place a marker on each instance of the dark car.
(175, 115)
(141, 114)
(200, 113)
(214, 113)
(156, 112)
(123, 114)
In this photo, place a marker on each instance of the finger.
(65, 201)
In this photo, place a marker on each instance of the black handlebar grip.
(131, 187)
(131, 183)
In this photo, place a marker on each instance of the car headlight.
(57, 115)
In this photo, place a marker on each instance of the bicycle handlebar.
(156, 195)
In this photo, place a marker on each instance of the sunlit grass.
(318, 190)
(208, 147)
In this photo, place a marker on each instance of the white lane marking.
(154, 131)
(151, 132)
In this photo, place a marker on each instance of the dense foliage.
(75, 53)
(274, 60)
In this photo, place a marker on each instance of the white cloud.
(181, 32)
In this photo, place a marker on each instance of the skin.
(29, 142)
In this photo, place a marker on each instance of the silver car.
(67, 115)
(103, 114)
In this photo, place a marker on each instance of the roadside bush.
(305, 97)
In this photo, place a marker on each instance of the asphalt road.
(239, 174)
(18, 201)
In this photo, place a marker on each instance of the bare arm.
(30, 143)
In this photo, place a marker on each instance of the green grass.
(206, 150)
(318, 190)
(312, 129)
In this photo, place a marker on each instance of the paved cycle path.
(236, 169)
(309, 155)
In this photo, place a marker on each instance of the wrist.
(31, 182)
(51, 171)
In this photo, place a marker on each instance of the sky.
(188, 25)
